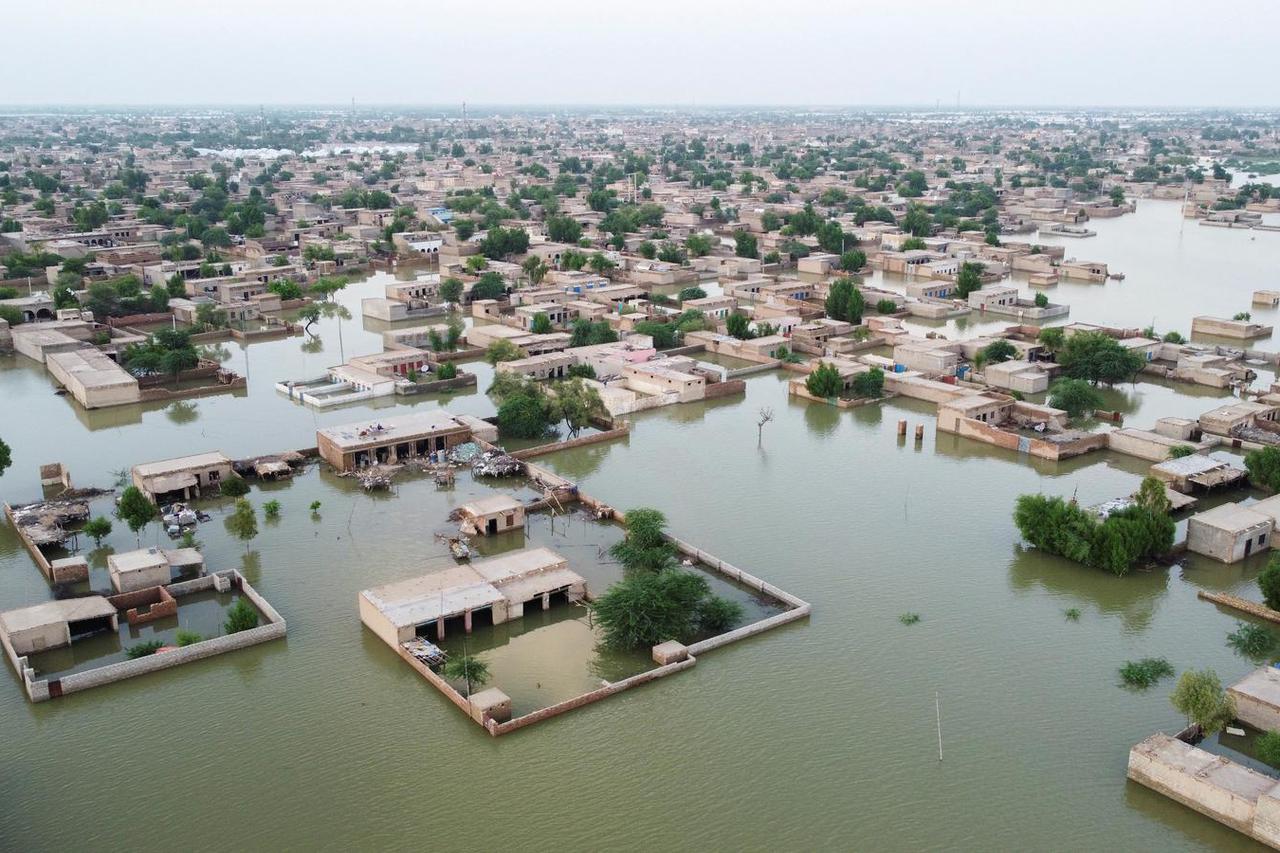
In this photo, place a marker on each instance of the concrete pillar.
(466, 621)
(546, 601)
(902, 427)
(439, 629)
(920, 432)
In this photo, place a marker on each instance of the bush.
(645, 546)
(1146, 672)
(692, 293)
(1041, 300)
(447, 370)
(1178, 451)
(271, 509)
(869, 384)
(998, 351)
(187, 638)
(886, 306)
(524, 415)
(1125, 538)
(234, 487)
(1096, 357)
(98, 528)
(240, 617)
(1267, 748)
(467, 668)
(1252, 641)
(142, 650)
(717, 615)
(824, 381)
(909, 618)
(581, 371)
(648, 608)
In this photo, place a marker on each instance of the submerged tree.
(647, 608)
(1200, 697)
(645, 545)
(468, 668)
(135, 510)
(240, 617)
(243, 522)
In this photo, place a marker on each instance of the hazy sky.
(989, 52)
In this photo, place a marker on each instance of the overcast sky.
(685, 52)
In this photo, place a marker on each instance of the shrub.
(909, 618)
(824, 381)
(717, 615)
(187, 638)
(467, 668)
(998, 351)
(234, 487)
(886, 306)
(1146, 672)
(98, 528)
(1267, 747)
(448, 370)
(142, 650)
(1075, 397)
(645, 545)
(581, 371)
(647, 608)
(1178, 451)
(315, 507)
(1124, 538)
(1252, 641)
(271, 509)
(1072, 614)
(1041, 300)
(869, 384)
(240, 617)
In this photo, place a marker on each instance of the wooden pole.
(937, 707)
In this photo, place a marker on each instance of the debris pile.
(43, 523)
(494, 464)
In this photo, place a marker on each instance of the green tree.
(651, 607)
(468, 668)
(824, 380)
(844, 301)
(1075, 397)
(692, 293)
(1051, 338)
(869, 383)
(241, 616)
(99, 528)
(999, 351)
(665, 335)
(271, 509)
(1267, 747)
(6, 456)
(645, 545)
(233, 487)
(447, 370)
(1097, 357)
(135, 510)
(243, 522)
(969, 279)
(698, 245)
(1269, 583)
(1200, 698)
(1263, 466)
(451, 290)
(525, 415)
(541, 324)
(577, 404)
(738, 326)
(744, 245)
(502, 350)
(853, 260)
(563, 229)
(490, 286)
(916, 221)
(1041, 300)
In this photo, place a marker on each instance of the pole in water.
(937, 707)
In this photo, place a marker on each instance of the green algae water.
(817, 735)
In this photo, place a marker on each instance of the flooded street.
(819, 734)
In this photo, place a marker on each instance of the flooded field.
(818, 734)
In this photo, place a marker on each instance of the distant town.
(441, 321)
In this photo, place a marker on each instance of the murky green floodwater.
(817, 735)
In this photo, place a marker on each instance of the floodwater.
(821, 734)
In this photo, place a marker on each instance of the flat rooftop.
(56, 612)
(401, 428)
(91, 367)
(1263, 685)
(208, 459)
(491, 505)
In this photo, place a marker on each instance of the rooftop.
(401, 428)
(55, 612)
(181, 463)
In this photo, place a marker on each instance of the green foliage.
(1252, 641)
(844, 301)
(1072, 614)
(233, 487)
(243, 521)
(1269, 583)
(525, 415)
(490, 286)
(998, 351)
(502, 350)
(869, 383)
(1267, 747)
(1041, 300)
(969, 279)
(447, 370)
(1242, 315)
(692, 293)
(1173, 338)
(1127, 536)
(588, 333)
(134, 509)
(468, 668)
(909, 618)
(541, 324)
(1178, 451)
(577, 404)
(451, 290)
(717, 615)
(853, 260)
(912, 244)
(824, 380)
(744, 245)
(1075, 397)
(645, 546)
(98, 528)
(241, 616)
(581, 371)
(315, 507)
(563, 229)
(187, 638)
(271, 509)
(886, 306)
(1199, 696)
(1146, 672)
(1097, 357)
(665, 335)
(647, 608)
(1051, 338)
(1263, 465)
(144, 649)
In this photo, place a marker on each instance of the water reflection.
(1134, 597)
(820, 418)
(182, 412)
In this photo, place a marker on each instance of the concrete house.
(1021, 376)
(1229, 533)
(492, 591)
(138, 569)
(492, 515)
(183, 478)
(52, 624)
(391, 440)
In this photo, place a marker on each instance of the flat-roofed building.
(93, 378)
(498, 587)
(139, 569)
(390, 440)
(1229, 533)
(183, 478)
(52, 624)
(492, 515)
